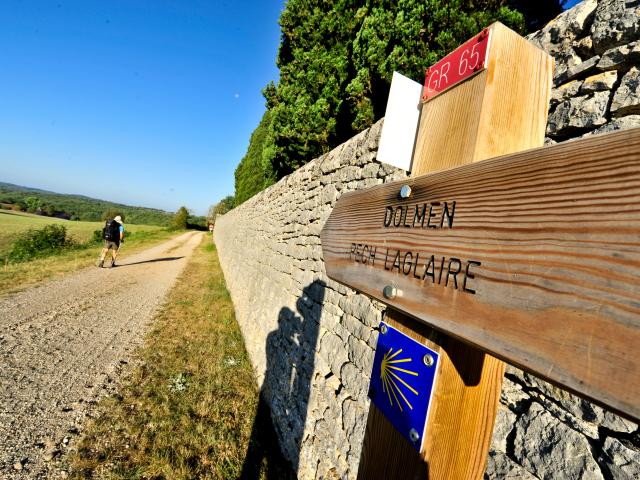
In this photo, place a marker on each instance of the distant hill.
(76, 207)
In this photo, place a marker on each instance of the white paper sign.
(400, 122)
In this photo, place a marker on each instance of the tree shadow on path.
(278, 427)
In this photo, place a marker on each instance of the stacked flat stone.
(270, 251)
(312, 340)
(596, 46)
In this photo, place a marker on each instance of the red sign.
(464, 62)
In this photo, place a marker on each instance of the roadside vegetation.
(80, 208)
(186, 409)
(13, 224)
(336, 61)
(220, 208)
(34, 248)
(74, 207)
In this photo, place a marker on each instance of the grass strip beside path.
(187, 409)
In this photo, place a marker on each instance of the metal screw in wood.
(428, 360)
(390, 292)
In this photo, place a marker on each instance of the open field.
(14, 223)
(18, 276)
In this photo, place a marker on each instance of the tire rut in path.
(63, 342)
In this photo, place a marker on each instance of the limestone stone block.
(513, 396)
(360, 354)
(621, 57)
(329, 194)
(576, 406)
(355, 382)
(353, 415)
(334, 351)
(616, 22)
(348, 154)
(501, 467)
(586, 428)
(329, 162)
(370, 170)
(565, 91)
(565, 59)
(373, 137)
(505, 421)
(357, 305)
(626, 100)
(562, 30)
(348, 173)
(618, 424)
(623, 462)
(599, 82)
(549, 449)
(584, 47)
(386, 169)
(578, 113)
(580, 70)
(397, 175)
(356, 327)
(369, 182)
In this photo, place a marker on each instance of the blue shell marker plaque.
(402, 382)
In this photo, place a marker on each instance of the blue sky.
(143, 102)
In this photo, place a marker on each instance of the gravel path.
(62, 345)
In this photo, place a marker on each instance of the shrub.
(97, 237)
(40, 243)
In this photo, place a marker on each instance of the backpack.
(111, 231)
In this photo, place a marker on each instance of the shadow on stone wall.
(284, 396)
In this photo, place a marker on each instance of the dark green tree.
(336, 60)
(220, 208)
(180, 219)
(33, 204)
(254, 173)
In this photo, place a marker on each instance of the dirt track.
(62, 345)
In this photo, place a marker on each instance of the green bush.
(97, 237)
(40, 243)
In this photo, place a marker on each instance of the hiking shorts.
(113, 245)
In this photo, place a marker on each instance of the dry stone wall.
(311, 340)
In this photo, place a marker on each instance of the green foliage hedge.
(254, 173)
(336, 60)
(40, 243)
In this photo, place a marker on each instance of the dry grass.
(187, 410)
(18, 276)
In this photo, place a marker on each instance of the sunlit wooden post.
(539, 265)
(475, 108)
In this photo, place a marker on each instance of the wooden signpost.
(533, 257)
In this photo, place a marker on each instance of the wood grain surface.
(502, 109)
(555, 234)
(460, 424)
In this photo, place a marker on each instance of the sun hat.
(118, 219)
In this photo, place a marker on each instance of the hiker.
(113, 235)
